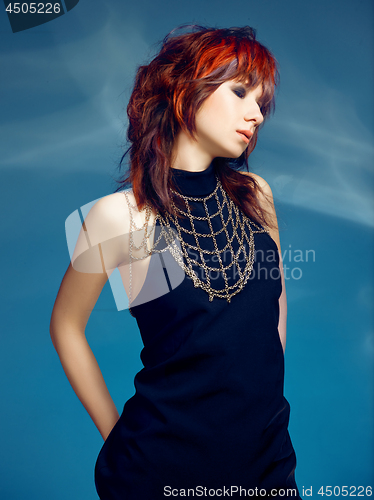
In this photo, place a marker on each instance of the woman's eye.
(240, 93)
(260, 105)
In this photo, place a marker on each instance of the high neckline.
(200, 183)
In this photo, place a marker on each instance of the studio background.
(64, 87)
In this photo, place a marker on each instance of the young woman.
(196, 242)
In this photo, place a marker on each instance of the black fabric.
(209, 409)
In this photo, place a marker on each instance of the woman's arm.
(267, 203)
(75, 301)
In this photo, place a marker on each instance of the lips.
(245, 135)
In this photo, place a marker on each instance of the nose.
(253, 114)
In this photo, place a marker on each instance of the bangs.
(246, 61)
(256, 66)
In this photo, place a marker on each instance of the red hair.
(169, 91)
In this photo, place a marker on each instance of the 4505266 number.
(33, 8)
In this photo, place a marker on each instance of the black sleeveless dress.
(209, 410)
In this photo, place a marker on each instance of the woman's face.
(226, 121)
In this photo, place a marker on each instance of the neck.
(189, 155)
(195, 183)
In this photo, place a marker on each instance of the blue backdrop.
(64, 86)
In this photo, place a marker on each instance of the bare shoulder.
(101, 235)
(118, 208)
(265, 197)
(106, 230)
(261, 182)
(109, 211)
(110, 216)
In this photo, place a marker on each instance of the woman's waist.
(232, 396)
(201, 431)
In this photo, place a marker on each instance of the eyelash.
(240, 92)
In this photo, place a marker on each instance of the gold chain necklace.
(179, 247)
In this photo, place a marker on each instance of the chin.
(234, 155)
(231, 153)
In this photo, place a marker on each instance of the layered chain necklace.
(188, 245)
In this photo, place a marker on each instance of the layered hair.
(170, 90)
